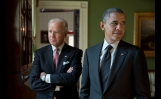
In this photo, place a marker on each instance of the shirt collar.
(60, 47)
(105, 44)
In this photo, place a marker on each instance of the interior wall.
(97, 7)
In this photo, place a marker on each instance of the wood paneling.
(18, 48)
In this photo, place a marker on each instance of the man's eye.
(123, 23)
(114, 23)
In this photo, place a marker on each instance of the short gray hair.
(107, 13)
(65, 24)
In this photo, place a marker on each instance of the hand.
(70, 70)
(42, 74)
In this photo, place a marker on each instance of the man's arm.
(35, 82)
(85, 83)
(141, 78)
(63, 77)
(46, 77)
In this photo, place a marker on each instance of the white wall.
(46, 16)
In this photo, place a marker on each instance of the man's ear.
(102, 25)
(66, 34)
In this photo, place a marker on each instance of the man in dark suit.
(56, 81)
(128, 72)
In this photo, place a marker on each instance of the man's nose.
(120, 26)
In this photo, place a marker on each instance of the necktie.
(105, 67)
(56, 57)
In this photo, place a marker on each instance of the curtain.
(34, 5)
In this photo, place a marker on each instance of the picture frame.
(44, 37)
(144, 32)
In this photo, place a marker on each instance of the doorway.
(72, 18)
(81, 6)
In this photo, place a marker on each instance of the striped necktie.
(105, 67)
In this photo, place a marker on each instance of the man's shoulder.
(75, 48)
(43, 48)
(71, 47)
(95, 46)
(129, 45)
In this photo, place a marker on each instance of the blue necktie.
(105, 67)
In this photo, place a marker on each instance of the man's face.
(114, 27)
(56, 33)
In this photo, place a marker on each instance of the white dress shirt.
(113, 50)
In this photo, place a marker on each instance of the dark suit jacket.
(128, 76)
(43, 62)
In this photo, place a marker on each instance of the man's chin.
(52, 43)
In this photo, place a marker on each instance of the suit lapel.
(63, 57)
(49, 58)
(119, 57)
(96, 61)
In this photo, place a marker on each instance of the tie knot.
(56, 49)
(109, 47)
